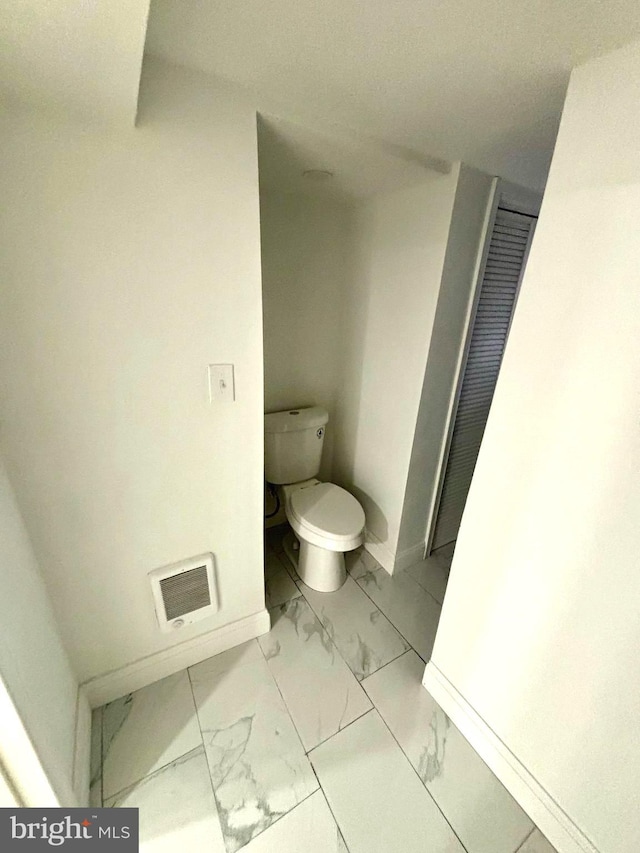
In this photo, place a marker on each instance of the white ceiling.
(359, 168)
(84, 56)
(477, 80)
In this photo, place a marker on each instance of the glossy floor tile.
(483, 814)
(309, 828)
(444, 555)
(257, 763)
(431, 576)
(364, 636)
(360, 561)
(320, 691)
(536, 843)
(279, 588)
(273, 563)
(147, 730)
(215, 757)
(177, 807)
(378, 800)
(413, 611)
(433, 573)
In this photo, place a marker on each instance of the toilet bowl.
(327, 521)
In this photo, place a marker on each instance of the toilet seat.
(327, 516)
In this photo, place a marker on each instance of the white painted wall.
(81, 57)
(129, 261)
(34, 668)
(304, 255)
(539, 630)
(8, 798)
(398, 244)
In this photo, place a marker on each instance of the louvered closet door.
(504, 266)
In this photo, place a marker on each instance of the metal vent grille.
(185, 592)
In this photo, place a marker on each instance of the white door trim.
(20, 763)
(456, 388)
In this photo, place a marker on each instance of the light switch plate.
(221, 384)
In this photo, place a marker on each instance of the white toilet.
(326, 520)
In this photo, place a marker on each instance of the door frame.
(24, 777)
(520, 201)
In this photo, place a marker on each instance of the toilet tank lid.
(295, 419)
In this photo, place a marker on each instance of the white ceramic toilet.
(326, 519)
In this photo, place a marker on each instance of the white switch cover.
(221, 385)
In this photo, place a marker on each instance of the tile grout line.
(389, 617)
(344, 728)
(326, 799)
(326, 740)
(385, 665)
(319, 788)
(375, 707)
(335, 734)
(359, 683)
(290, 568)
(151, 775)
(448, 822)
(195, 705)
(284, 701)
(384, 615)
(377, 606)
(128, 697)
(526, 838)
(268, 605)
(410, 649)
(416, 582)
(305, 752)
(206, 757)
(215, 796)
(292, 810)
(286, 564)
(428, 591)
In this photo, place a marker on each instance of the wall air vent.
(184, 592)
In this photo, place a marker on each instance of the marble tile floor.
(315, 738)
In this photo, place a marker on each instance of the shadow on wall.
(358, 264)
(376, 521)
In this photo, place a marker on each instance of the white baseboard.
(543, 810)
(390, 560)
(382, 554)
(82, 749)
(409, 557)
(112, 685)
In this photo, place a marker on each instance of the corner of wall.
(470, 219)
(82, 749)
(379, 551)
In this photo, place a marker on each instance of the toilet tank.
(293, 444)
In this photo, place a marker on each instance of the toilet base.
(318, 568)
